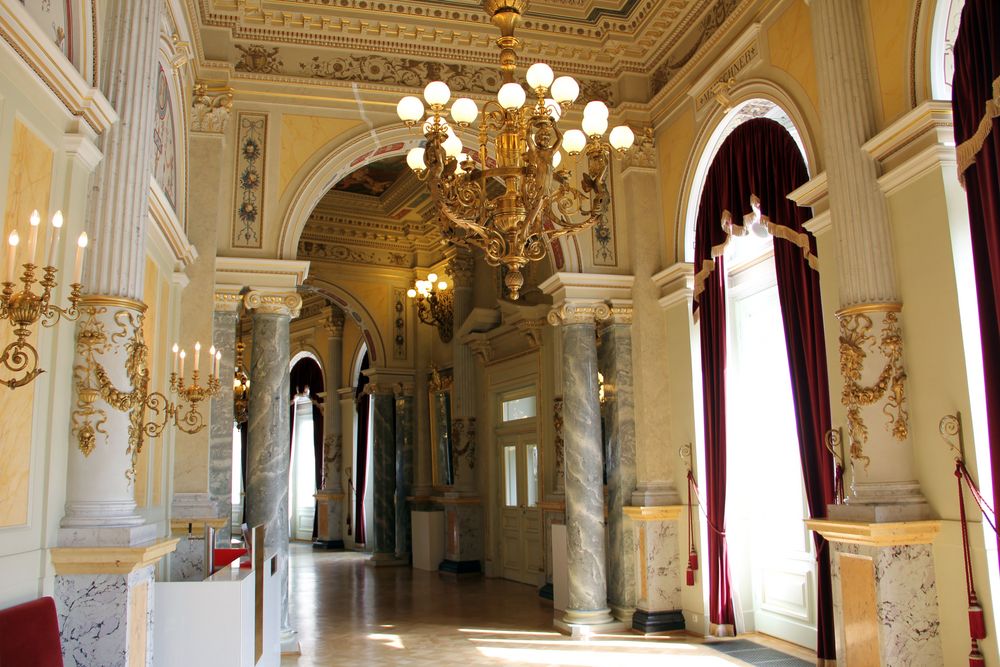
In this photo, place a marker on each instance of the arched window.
(305, 475)
(745, 196)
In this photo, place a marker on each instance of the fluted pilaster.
(860, 215)
(118, 207)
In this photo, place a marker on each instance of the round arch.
(713, 131)
(305, 353)
(354, 309)
(379, 144)
(359, 356)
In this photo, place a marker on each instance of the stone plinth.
(658, 606)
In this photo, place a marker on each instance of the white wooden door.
(521, 520)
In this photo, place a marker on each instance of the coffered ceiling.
(404, 43)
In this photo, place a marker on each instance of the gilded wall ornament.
(259, 59)
(856, 342)
(463, 434)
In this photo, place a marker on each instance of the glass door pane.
(510, 474)
(531, 456)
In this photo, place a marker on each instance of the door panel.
(521, 521)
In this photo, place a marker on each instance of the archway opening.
(306, 465)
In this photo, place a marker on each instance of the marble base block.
(187, 562)
(329, 520)
(659, 569)
(463, 526)
(106, 619)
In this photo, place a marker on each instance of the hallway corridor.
(349, 614)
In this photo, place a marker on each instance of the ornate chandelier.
(511, 198)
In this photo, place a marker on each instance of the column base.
(652, 622)
(385, 560)
(328, 544)
(582, 624)
(290, 643)
(460, 567)
(623, 614)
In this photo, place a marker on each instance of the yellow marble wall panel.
(889, 20)
(163, 340)
(29, 185)
(674, 145)
(301, 137)
(790, 42)
(149, 335)
(857, 586)
(138, 625)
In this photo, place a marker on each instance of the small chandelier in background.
(434, 304)
(519, 152)
(241, 387)
(24, 307)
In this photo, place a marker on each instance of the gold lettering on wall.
(28, 188)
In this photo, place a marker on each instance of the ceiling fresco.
(374, 179)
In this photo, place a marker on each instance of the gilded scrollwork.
(856, 342)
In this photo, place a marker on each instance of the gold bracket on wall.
(950, 428)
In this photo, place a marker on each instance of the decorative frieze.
(251, 156)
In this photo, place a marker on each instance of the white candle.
(33, 235)
(176, 349)
(211, 360)
(218, 360)
(57, 223)
(197, 355)
(81, 244)
(183, 355)
(12, 241)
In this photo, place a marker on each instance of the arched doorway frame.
(381, 143)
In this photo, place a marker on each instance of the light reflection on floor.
(349, 614)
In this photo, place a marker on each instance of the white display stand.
(428, 539)
(560, 573)
(210, 623)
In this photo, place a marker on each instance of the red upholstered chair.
(29, 635)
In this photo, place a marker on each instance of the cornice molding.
(676, 284)
(654, 513)
(51, 67)
(109, 560)
(260, 273)
(877, 534)
(563, 286)
(168, 227)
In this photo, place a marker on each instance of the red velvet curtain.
(976, 105)
(758, 165)
(361, 448)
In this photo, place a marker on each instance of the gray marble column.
(404, 469)
(220, 455)
(587, 608)
(615, 361)
(330, 499)
(463, 393)
(383, 473)
(266, 501)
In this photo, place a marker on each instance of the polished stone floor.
(349, 614)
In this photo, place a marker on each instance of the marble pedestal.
(658, 589)
(884, 591)
(329, 513)
(104, 601)
(463, 530)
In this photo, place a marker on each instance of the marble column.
(100, 512)
(615, 362)
(383, 473)
(462, 506)
(404, 469)
(587, 608)
(268, 438)
(330, 499)
(220, 456)
(884, 486)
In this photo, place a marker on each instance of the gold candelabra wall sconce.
(834, 441)
(435, 304)
(241, 387)
(23, 307)
(93, 381)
